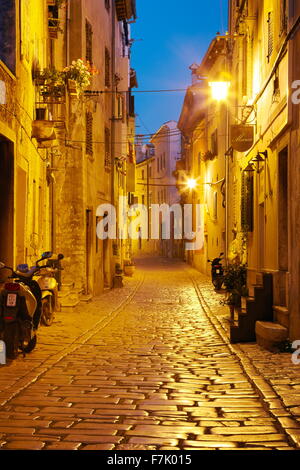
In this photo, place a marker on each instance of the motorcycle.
(217, 272)
(20, 308)
(47, 280)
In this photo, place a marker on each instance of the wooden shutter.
(247, 200)
(89, 134)
(270, 35)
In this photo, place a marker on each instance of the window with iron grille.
(107, 157)
(89, 42)
(107, 4)
(89, 134)
(270, 35)
(107, 68)
(247, 201)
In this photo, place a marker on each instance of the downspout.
(113, 71)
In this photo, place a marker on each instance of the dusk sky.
(174, 35)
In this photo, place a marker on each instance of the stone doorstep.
(281, 315)
(269, 335)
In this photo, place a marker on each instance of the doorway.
(283, 210)
(88, 251)
(261, 250)
(6, 201)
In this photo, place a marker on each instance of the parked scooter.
(217, 272)
(20, 308)
(47, 280)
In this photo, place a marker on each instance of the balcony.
(126, 9)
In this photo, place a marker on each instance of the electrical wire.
(25, 130)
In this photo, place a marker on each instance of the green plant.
(54, 81)
(235, 281)
(54, 84)
(286, 347)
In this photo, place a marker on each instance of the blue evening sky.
(174, 35)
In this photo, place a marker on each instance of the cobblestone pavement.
(144, 367)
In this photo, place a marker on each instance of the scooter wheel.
(31, 345)
(11, 338)
(217, 283)
(47, 312)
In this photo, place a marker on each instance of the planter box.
(43, 130)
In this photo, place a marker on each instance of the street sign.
(242, 137)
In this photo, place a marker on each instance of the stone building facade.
(156, 184)
(55, 185)
(257, 206)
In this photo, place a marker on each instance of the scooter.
(20, 308)
(48, 283)
(217, 272)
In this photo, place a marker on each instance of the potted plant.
(129, 268)
(78, 76)
(235, 282)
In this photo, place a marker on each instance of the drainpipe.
(113, 71)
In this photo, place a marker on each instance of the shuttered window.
(270, 35)
(107, 67)
(247, 199)
(89, 134)
(89, 42)
(107, 159)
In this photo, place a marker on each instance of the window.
(89, 134)
(214, 143)
(8, 33)
(107, 4)
(89, 42)
(270, 35)
(283, 17)
(158, 164)
(247, 200)
(143, 175)
(107, 159)
(107, 68)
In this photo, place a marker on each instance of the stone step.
(86, 298)
(269, 335)
(281, 315)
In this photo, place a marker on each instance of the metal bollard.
(2, 352)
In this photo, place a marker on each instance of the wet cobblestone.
(153, 374)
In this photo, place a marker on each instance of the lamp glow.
(191, 183)
(219, 90)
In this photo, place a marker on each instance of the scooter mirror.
(60, 256)
(221, 254)
(23, 268)
(2, 265)
(46, 255)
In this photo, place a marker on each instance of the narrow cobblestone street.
(144, 367)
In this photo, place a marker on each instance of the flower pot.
(129, 270)
(72, 87)
(43, 130)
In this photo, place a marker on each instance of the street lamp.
(219, 90)
(191, 183)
